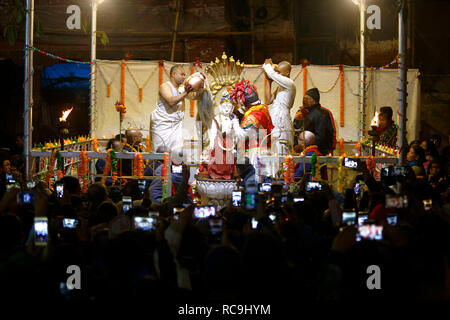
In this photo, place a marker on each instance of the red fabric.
(334, 126)
(379, 213)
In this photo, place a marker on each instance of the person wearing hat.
(317, 119)
(256, 125)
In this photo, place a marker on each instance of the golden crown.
(224, 72)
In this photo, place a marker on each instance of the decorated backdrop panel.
(141, 79)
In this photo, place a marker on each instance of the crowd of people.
(292, 246)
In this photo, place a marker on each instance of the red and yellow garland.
(83, 172)
(50, 169)
(289, 169)
(138, 166)
(165, 174)
(95, 145)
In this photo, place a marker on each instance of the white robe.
(280, 110)
(167, 123)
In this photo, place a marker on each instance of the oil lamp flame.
(65, 114)
(374, 122)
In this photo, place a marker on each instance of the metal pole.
(252, 30)
(362, 68)
(403, 82)
(28, 86)
(93, 66)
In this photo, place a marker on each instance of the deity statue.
(225, 122)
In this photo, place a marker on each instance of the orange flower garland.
(161, 66)
(289, 169)
(341, 105)
(341, 145)
(122, 83)
(83, 172)
(95, 145)
(164, 174)
(147, 144)
(139, 165)
(191, 111)
(50, 168)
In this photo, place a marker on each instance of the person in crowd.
(416, 158)
(387, 129)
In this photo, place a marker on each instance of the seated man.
(306, 143)
(387, 129)
(133, 138)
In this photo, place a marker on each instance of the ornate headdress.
(224, 72)
(244, 93)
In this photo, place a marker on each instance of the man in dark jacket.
(313, 117)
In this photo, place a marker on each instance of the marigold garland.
(289, 169)
(83, 172)
(50, 168)
(122, 83)
(95, 145)
(139, 160)
(341, 101)
(191, 111)
(161, 66)
(164, 174)
(113, 166)
(305, 78)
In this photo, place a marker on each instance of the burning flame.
(374, 122)
(65, 114)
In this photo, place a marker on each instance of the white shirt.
(280, 110)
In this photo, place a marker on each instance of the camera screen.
(177, 210)
(398, 171)
(362, 218)
(272, 217)
(31, 185)
(59, 190)
(237, 198)
(349, 163)
(40, 231)
(349, 218)
(204, 212)
(144, 223)
(8, 178)
(299, 199)
(26, 197)
(177, 169)
(215, 226)
(427, 204)
(396, 201)
(392, 219)
(266, 187)
(70, 223)
(250, 201)
(126, 204)
(141, 185)
(369, 232)
(313, 186)
(254, 223)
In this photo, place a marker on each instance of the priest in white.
(282, 100)
(167, 118)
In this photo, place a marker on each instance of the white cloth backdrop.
(382, 91)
